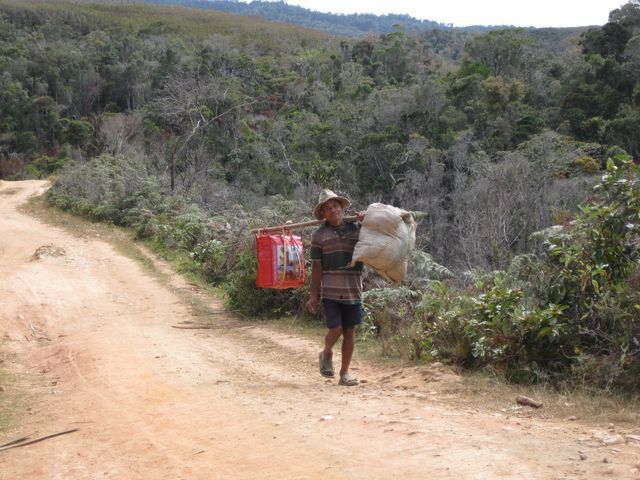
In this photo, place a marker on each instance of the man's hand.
(360, 215)
(312, 305)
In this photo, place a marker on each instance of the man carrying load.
(333, 281)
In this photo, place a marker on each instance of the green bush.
(44, 166)
(389, 309)
(108, 187)
(245, 297)
(211, 254)
(443, 312)
(595, 269)
(390, 319)
(574, 310)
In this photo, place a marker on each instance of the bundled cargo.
(387, 236)
(280, 261)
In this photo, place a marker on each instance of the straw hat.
(325, 196)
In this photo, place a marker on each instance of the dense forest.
(516, 148)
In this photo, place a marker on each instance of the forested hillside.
(354, 25)
(193, 126)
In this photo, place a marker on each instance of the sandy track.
(93, 339)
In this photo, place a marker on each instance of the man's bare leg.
(348, 346)
(330, 340)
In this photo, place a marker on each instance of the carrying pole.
(290, 226)
(311, 223)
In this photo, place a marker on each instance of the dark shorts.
(343, 315)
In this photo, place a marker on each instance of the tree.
(627, 16)
(187, 108)
(610, 40)
(15, 105)
(499, 50)
(78, 133)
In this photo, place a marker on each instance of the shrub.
(244, 297)
(389, 309)
(587, 164)
(594, 268)
(571, 310)
(389, 313)
(443, 312)
(211, 254)
(111, 186)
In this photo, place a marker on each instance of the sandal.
(348, 381)
(326, 366)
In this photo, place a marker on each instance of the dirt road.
(91, 336)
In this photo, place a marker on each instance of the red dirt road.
(90, 335)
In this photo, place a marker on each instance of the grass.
(11, 402)
(490, 393)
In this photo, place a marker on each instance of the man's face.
(332, 212)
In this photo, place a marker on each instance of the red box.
(280, 261)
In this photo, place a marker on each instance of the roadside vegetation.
(11, 403)
(191, 128)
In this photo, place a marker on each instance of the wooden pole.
(311, 223)
(291, 226)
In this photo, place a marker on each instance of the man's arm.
(316, 279)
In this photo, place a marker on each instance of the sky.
(520, 13)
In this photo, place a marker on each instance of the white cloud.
(540, 13)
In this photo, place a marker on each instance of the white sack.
(387, 237)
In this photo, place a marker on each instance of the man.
(338, 285)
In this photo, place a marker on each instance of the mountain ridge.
(352, 25)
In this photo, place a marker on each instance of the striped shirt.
(334, 247)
